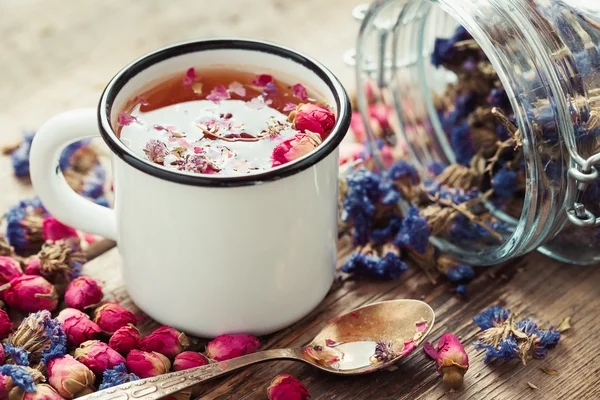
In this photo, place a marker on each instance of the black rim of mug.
(122, 151)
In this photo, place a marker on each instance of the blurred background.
(58, 54)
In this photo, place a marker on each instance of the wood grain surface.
(57, 54)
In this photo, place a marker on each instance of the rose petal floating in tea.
(218, 93)
(262, 80)
(147, 364)
(126, 119)
(287, 387)
(97, 356)
(190, 77)
(237, 88)
(78, 326)
(289, 107)
(299, 91)
(224, 347)
(166, 341)
(70, 378)
(189, 359)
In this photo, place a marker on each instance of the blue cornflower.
(435, 168)
(389, 192)
(117, 376)
(93, 186)
(461, 273)
(492, 316)
(401, 169)
(20, 377)
(69, 151)
(361, 264)
(545, 340)
(503, 183)
(58, 340)
(390, 267)
(19, 230)
(364, 190)
(382, 235)
(527, 326)
(373, 266)
(507, 349)
(460, 141)
(19, 355)
(414, 232)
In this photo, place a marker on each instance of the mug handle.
(49, 183)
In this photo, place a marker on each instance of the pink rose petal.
(289, 107)
(300, 91)
(142, 101)
(198, 150)
(190, 77)
(126, 119)
(262, 80)
(218, 93)
(237, 88)
(257, 102)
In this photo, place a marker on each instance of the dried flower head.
(41, 336)
(33, 266)
(18, 376)
(112, 316)
(166, 341)
(83, 292)
(146, 364)
(97, 356)
(78, 326)
(313, 118)
(293, 148)
(117, 376)
(384, 351)
(189, 359)
(414, 232)
(9, 269)
(224, 347)
(286, 387)
(384, 264)
(451, 360)
(70, 378)
(125, 339)
(53, 229)
(24, 226)
(156, 151)
(30, 293)
(61, 261)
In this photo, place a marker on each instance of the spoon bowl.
(364, 340)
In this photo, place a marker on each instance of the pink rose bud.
(286, 387)
(70, 378)
(31, 293)
(78, 326)
(53, 229)
(314, 118)
(83, 292)
(189, 359)
(97, 356)
(146, 364)
(125, 339)
(451, 360)
(224, 347)
(293, 148)
(43, 392)
(2, 359)
(33, 266)
(165, 340)
(9, 270)
(381, 113)
(6, 325)
(111, 317)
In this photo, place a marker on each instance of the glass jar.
(546, 56)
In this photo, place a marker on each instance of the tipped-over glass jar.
(502, 96)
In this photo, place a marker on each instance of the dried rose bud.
(6, 385)
(286, 387)
(70, 378)
(6, 325)
(111, 317)
(43, 391)
(451, 360)
(53, 229)
(314, 118)
(189, 359)
(166, 341)
(83, 292)
(146, 364)
(33, 266)
(61, 261)
(224, 347)
(2, 357)
(293, 148)
(97, 356)
(31, 293)
(125, 339)
(78, 326)
(9, 269)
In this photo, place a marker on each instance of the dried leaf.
(549, 371)
(531, 385)
(564, 325)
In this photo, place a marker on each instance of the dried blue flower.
(117, 376)
(24, 225)
(444, 50)
(368, 264)
(460, 141)
(57, 339)
(548, 338)
(359, 204)
(499, 98)
(19, 355)
(20, 377)
(435, 168)
(65, 160)
(503, 183)
(389, 192)
(462, 290)
(102, 201)
(414, 232)
(490, 317)
(507, 349)
(461, 273)
(462, 229)
(384, 234)
(93, 186)
(527, 326)
(401, 169)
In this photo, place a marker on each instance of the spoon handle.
(164, 385)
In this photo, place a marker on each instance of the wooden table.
(56, 55)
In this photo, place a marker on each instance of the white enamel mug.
(208, 255)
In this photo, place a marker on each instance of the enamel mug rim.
(342, 123)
